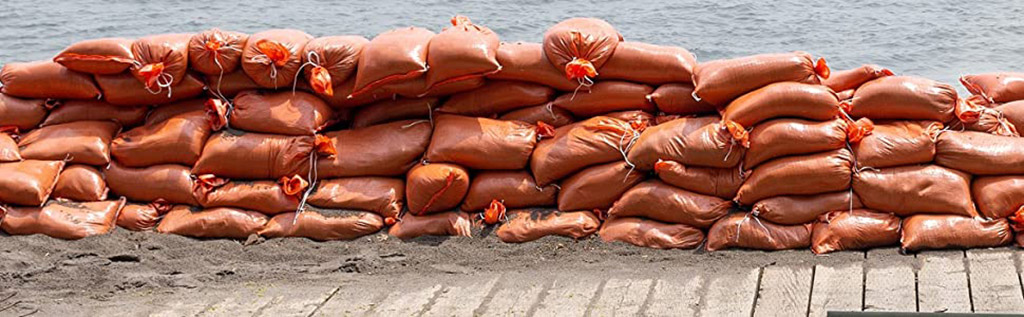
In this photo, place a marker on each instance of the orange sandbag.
(790, 136)
(449, 223)
(906, 98)
(783, 100)
(165, 112)
(798, 175)
(580, 46)
(272, 58)
(141, 217)
(720, 81)
(677, 98)
(649, 64)
(977, 153)
(532, 224)
(858, 229)
(700, 141)
(175, 140)
(241, 155)
(996, 87)
(992, 120)
(81, 183)
(28, 183)
(323, 225)
(435, 187)
(341, 100)
(170, 182)
(8, 149)
(25, 114)
(95, 110)
(998, 196)
(742, 230)
(651, 234)
(268, 197)
(216, 52)
(417, 88)
(606, 96)
(896, 143)
(514, 189)
(794, 210)
(63, 219)
(212, 223)
(161, 60)
(636, 118)
(381, 195)
(332, 60)
(46, 79)
(105, 56)
(388, 149)
(527, 62)
(464, 50)
(481, 143)
(230, 84)
(845, 94)
(578, 145)
(125, 90)
(547, 113)
(83, 142)
(659, 201)
(719, 182)
(597, 187)
(909, 190)
(924, 232)
(850, 79)
(393, 56)
(497, 97)
(393, 110)
(283, 112)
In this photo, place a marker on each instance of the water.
(936, 39)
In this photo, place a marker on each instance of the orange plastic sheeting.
(719, 182)
(388, 149)
(794, 210)
(851, 79)
(996, 87)
(46, 79)
(547, 113)
(998, 196)
(573, 147)
(527, 62)
(858, 229)
(381, 195)
(95, 110)
(125, 90)
(783, 100)
(81, 183)
(742, 230)
(651, 234)
(677, 98)
(212, 223)
(649, 64)
(25, 114)
(171, 182)
(514, 189)
(606, 96)
(597, 187)
(497, 97)
(580, 46)
(63, 219)
(905, 98)
(449, 223)
(239, 155)
(435, 187)
(658, 201)
(927, 232)
(798, 175)
(896, 143)
(272, 58)
(103, 56)
(283, 112)
(161, 60)
(532, 224)
(909, 190)
(700, 141)
(332, 60)
(462, 51)
(977, 153)
(28, 183)
(178, 139)
(392, 56)
(323, 225)
(481, 143)
(720, 81)
(216, 52)
(789, 136)
(83, 142)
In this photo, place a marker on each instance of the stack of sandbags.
(1001, 96)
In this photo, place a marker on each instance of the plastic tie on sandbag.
(274, 54)
(324, 146)
(544, 130)
(207, 182)
(975, 89)
(217, 112)
(319, 79)
(293, 186)
(740, 135)
(495, 212)
(968, 110)
(821, 68)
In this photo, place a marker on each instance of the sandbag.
(977, 153)
(390, 57)
(998, 196)
(435, 187)
(388, 149)
(282, 112)
(28, 183)
(481, 143)
(462, 51)
(858, 229)
(497, 97)
(909, 190)
(527, 62)
(593, 141)
(83, 142)
(171, 183)
(230, 84)
(25, 114)
(178, 139)
(417, 88)
(651, 234)
(719, 182)
(514, 189)
(81, 183)
(160, 60)
(272, 57)
(845, 94)
(789, 136)
(381, 195)
(742, 230)
(393, 110)
(798, 209)
(241, 155)
(332, 59)
(125, 90)
(783, 100)
(95, 110)
(996, 87)
(597, 187)
(8, 149)
(229, 223)
(216, 52)
(896, 143)
(924, 232)
(46, 79)
(851, 79)
(798, 175)
(905, 98)
(649, 64)
(636, 118)
(141, 217)
(659, 201)
(63, 219)
(449, 223)
(580, 46)
(606, 96)
(547, 113)
(532, 224)
(700, 141)
(720, 81)
(323, 225)
(993, 121)
(677, 98)
(268, 197)
(105, 56)
(165, 112)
